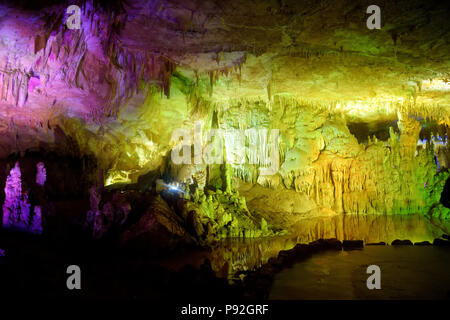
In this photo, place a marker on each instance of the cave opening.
(432, 129)
(445, 195)
(362, 130)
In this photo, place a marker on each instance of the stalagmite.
(94, 209)
(36, 224)
(13, 194)
(41, 175)
(24, 218)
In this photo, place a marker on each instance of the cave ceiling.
(319, 52)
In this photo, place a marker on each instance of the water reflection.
(233, 255)
(406, 273)
(230, 256)
(370, 228)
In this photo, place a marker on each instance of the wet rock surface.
(441, 243)
(376, 243)
(112, 273)
(108, 273)
(159, 229)
(422, 243)
(398, 242)
(353, 244)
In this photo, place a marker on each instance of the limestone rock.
(13, 195)
(353, 244)
(36, 224)
(157, 231)
(376, 244)
(398, 242)
(441, 243)
(422, 243)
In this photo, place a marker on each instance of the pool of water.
(234, 255)
(231, 256)
(407, 272)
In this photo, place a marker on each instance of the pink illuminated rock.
(98, 229)
(41, 175)
(94, 211)
(17, 208)
(33, 83)
(24, 218)
(13, 193)
(36, 225)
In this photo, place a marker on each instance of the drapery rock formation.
(362, 114)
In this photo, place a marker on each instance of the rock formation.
(13, 196)
(41, 175)
(362, 115)
(18, 212)
(36, 224)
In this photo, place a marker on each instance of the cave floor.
(407, 273)
(36, 266)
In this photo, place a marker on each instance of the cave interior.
(174, 130)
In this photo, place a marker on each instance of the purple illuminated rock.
(24, 218)
(17, 207)
(112, 213)
(41, 175)
(36, 224)
(13, 194)
(94, 208)
(98, 228)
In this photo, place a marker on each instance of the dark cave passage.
(445, 195)
(379, 129)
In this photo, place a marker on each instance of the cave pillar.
(409, 134)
